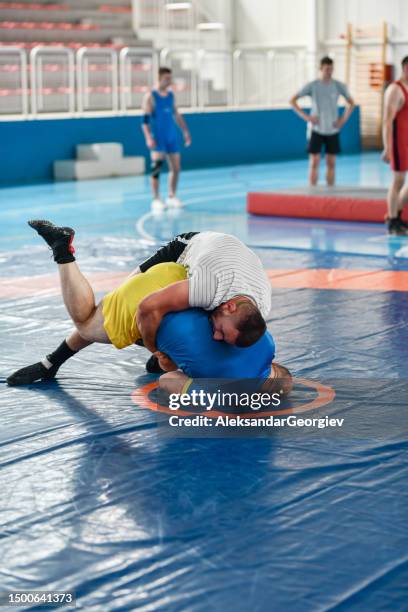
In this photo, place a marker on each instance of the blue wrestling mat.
(96, 498)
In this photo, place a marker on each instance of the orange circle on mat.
(325, 395)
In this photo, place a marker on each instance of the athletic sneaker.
(59, 239)
(157, 205)
(403, 223)
(31, 373)
(396, 228)
(173, 202)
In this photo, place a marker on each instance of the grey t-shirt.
(325, 96)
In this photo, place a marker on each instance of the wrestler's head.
(187, 339)
(238, 321)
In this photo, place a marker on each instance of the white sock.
(47, 364)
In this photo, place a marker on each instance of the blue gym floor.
(94, 499)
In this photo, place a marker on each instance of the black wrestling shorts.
(169, 252)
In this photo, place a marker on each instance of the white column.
(314, 6)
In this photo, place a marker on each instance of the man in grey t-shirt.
(324, 122)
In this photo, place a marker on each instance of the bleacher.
(62, 79)
(72, 23)
(62, 27)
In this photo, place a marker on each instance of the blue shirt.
(164, 125)
(186, 337)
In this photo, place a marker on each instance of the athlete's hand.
(165, 362)
(151, 143)
(385, 156)
(313, 119)
(187, 139)
(339, 123)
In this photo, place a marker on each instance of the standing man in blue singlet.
(160, 120)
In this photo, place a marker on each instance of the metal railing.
(13, 82)
(215, 83)
(137, 76)
(251, 85)
(55, 80)
(183, 63)
(52, 77)
(97, 80)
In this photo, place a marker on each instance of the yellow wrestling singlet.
(120, 306)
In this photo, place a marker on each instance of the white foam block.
(102, 151)
(129, 166)
(79, 170)
(91, 169)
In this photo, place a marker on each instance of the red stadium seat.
(33, 7)
(105, 8)
(71, 45)
(45, 25)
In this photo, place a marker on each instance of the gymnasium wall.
(294, 22)
(272, 22)
(368, 13)
(28, 148)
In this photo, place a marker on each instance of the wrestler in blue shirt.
(187, 338)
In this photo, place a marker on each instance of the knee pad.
(156, 168)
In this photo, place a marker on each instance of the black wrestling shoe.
(153, 367)
(401, 222)
(59, 239)
(31, 373)
(395, 227)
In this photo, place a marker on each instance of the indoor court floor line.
(95, 499)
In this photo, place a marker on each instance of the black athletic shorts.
(169, 252)
(330, 142)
